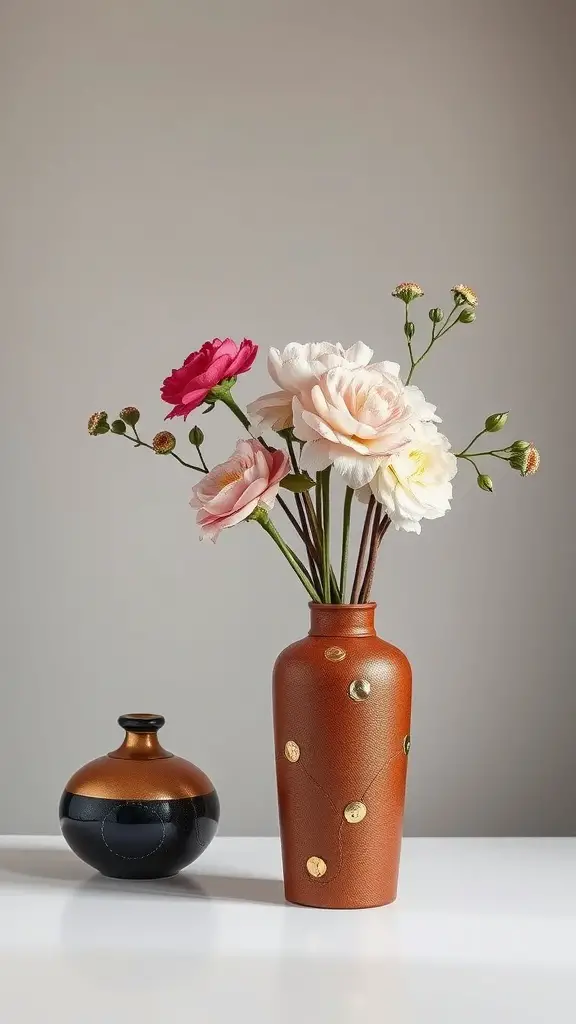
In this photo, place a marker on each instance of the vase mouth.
(340, 607)
(342, 619)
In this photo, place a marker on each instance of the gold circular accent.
(316, 867)
(406, 744)
(334, 654)
(355, 812)
(292, 751)
(359, 689)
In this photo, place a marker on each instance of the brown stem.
(312, 548)
(362, 551)
(377, 534)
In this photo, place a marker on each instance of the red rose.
(187, 387)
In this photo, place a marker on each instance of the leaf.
(297, 482)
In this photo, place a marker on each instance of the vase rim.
(320, 604)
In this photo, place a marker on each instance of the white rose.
(415, 483)
(297, 368)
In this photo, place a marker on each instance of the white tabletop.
(483, 932)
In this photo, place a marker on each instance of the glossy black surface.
(141, 723)
(138, 838)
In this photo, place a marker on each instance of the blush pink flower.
(353, 419)
(230, 492)
(187, 387)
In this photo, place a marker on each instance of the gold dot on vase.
(334, 654)
(292, 751)
(359, 689)
(316, 867)
(406, 744)
(355, 812)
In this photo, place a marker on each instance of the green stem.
(199, 469)
(226, 397)
(202, 459)
(302, 575)
(409, 340)
(468, 446)
(138, 443)
(469, 458)
(447, 324)
(424, 354)
(326, 531)
(345, 540)
(461, 455)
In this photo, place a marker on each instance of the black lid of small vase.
(141, 722)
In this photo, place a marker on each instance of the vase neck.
(140, 746)
(342, 619)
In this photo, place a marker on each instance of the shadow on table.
(53, 867)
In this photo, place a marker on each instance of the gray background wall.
(172, 171)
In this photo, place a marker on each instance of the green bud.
(409, 330)
(467, 316)
(436, 315)
(118, 427)
(297, 482)
(130, 415)
(98, 423)
(484, 482)
(495, 422)
(518, 461)
(196, 436)
(520, 446)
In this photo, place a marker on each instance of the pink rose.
(187, 387)
(229, 493)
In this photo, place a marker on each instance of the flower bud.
(519, 446)
(436, 315)
(118, 427)
(463, 294)
(98, 423)
(164, 442)
(467, 316)
(484, 482)
(130, 415)
(196, 436)
(407, 291)
(495, 422)
(527, 461)
(409, 329)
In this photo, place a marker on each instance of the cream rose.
(353, 419)
(297, 368)
(415, 483)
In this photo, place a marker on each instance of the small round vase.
(139, 812)
(342, 735)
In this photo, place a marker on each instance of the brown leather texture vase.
(342, 699)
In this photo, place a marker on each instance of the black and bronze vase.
(139, 812)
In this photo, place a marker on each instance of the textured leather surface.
(349, 751)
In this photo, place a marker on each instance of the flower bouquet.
(341, 695)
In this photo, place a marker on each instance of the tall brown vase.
(342, 701)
